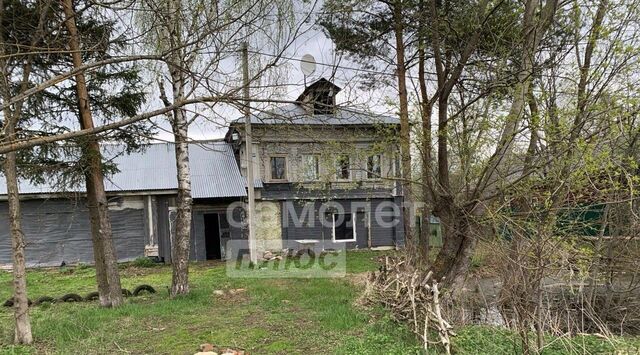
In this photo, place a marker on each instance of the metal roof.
(214, 171)
(296, 114)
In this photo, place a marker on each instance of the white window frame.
(316, 157)
(353, 223)
(339, 168)
(379, 176)
(286, 168)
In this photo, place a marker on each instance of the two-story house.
(328, 173)
(323, 172)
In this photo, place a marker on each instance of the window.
(278, 168)
(342, 164)
(323, 103)
(373, 167)
(344, 229)
(311, 167)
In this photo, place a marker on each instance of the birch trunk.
(180, 249)
(180, 127)
(103, 249)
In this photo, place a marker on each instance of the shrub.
(143, 262)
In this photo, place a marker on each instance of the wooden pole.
(249, 155)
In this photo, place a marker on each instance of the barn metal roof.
(214, 171)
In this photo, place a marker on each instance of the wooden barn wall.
(228, 231)
(58, 230)
(198, 249)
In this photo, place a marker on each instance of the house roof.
(321, 84)
(214, 171)
(296, 114)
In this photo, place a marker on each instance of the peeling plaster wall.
(58, 230)
(293, 142)
(268, 226)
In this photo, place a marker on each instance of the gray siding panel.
(381, 234)
(59, 230)
(198, 248)
(164, 245)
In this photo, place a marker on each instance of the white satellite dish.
(308, 64)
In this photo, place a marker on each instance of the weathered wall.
(268, 226)
(370, 231)
(292, 142)
(58, 230)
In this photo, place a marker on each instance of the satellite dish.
(308, 64)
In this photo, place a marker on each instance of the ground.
(269, 316)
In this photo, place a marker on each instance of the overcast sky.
(329, 65)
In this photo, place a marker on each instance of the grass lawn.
(310, 316)
(272, 316)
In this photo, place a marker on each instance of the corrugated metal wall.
(58, 230)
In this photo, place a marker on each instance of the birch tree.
(195, 37)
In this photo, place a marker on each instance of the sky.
(329, 64)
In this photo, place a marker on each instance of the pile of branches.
(413, 298)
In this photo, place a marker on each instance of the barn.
(142, 200)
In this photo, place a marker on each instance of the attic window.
(319, 97)
(323, 103)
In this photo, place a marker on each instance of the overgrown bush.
(144, 262)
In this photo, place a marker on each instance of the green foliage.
(144, 262)
(115, 91)
(383, 336)
(270, 316)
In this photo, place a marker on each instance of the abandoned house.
(313, 162)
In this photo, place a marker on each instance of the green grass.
(489, 340)
(273, 316)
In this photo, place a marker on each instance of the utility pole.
(249, 155)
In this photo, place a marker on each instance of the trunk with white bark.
(180, 248)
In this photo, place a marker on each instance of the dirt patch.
(359, 279)
(235, 295)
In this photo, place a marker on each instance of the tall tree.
(472, 48)
(104, 251)
(194, 43)
(26, 30)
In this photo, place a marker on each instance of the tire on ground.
(126, 293)
(138, 290)
(92, 296)
(71, 297)
(44, 299)
(10, 302)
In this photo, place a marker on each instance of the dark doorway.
(212, 236)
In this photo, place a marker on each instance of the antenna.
(307, 65)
